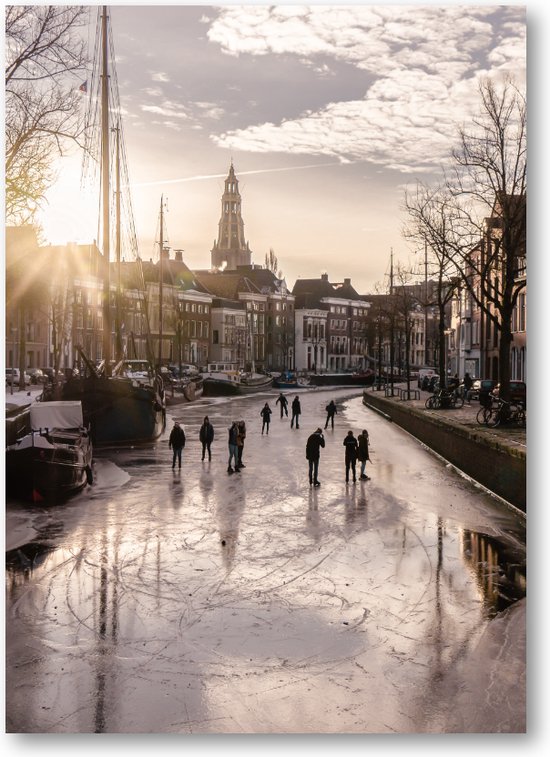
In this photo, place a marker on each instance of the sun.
(70, 213)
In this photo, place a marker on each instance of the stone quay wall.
(497, 465)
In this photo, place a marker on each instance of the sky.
(328, 113)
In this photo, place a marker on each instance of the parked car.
(37, 376)
(518, 392)
(13, 376)
(483, 389)
(429, 382)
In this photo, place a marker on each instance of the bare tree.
(475, 223)
(44, 57)
(272, 264)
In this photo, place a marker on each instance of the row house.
(474, 337)
(338, 342)
(237, 287)
(180, 330)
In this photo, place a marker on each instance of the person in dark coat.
(284, 404)
(232, 443)
(350, 443)
(468, 384)
(363, 452)
(265, 412)
(241, 436)
(206, 436)
(296, 412)
(176, 443)
(313, 453)
(331, 412)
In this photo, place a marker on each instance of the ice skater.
(176, 443)
(265, 412)
(284, 404)
(206, 437)
(233, 452)
(241, 436)
(363, 452)
(350, 443)
(313, 453)
(296, 412)
(331, 412)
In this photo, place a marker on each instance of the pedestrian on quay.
(350, 443)
(296, 412)
(331, 412)
(468, 384)
(233, 451)
(313, 453)
(284, 404)
(363, 452)
(241, 436)
(206, 437)
(265, 412)
(176, 443)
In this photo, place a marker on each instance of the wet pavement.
(197, 602)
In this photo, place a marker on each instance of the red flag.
(83, 87)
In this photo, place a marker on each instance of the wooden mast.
(118, 319)
(161, 276)
(105, 194)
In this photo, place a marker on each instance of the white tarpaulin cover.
(56, 414)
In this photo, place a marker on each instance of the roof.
(226, 285)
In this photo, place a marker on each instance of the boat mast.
(105, 194)
(161, 280)
(118, 320)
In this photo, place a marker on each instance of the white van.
(429, 372)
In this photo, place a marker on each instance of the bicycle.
(506, 412)
(444, 399)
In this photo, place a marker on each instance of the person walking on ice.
(241, 436)
(363, 452)
(232, 443)
(331, 412)
(176, 443)
(206, 437)
(296, 412)
(265, 412)
(313, 453)
(284, 404)
(350, 443)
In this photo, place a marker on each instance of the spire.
(230, 247)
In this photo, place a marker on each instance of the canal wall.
(498, 466)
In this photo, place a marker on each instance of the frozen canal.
(201, 602)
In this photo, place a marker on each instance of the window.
(199, 308)
(215, 336)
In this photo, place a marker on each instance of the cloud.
(169, 109)
(160, 76)
(423, 65)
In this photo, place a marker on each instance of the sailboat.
(119, 409)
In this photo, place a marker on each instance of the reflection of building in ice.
(500, 579)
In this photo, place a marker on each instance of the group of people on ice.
(356, 449)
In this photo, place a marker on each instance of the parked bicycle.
(444, 398)
(501, 412)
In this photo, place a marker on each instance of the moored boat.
(342, 379)
(289, 380)
(223, 379)
(54, 460)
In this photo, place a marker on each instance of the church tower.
(230, 247)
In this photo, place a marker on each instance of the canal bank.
(495, 458)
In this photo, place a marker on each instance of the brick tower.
(230, 247)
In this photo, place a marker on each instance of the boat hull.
(49, 474)
(341, 379)
(214, 387)
(117, 410)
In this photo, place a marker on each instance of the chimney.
(166, 253)
(347, 282)
(179, 256)
(324, 277)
